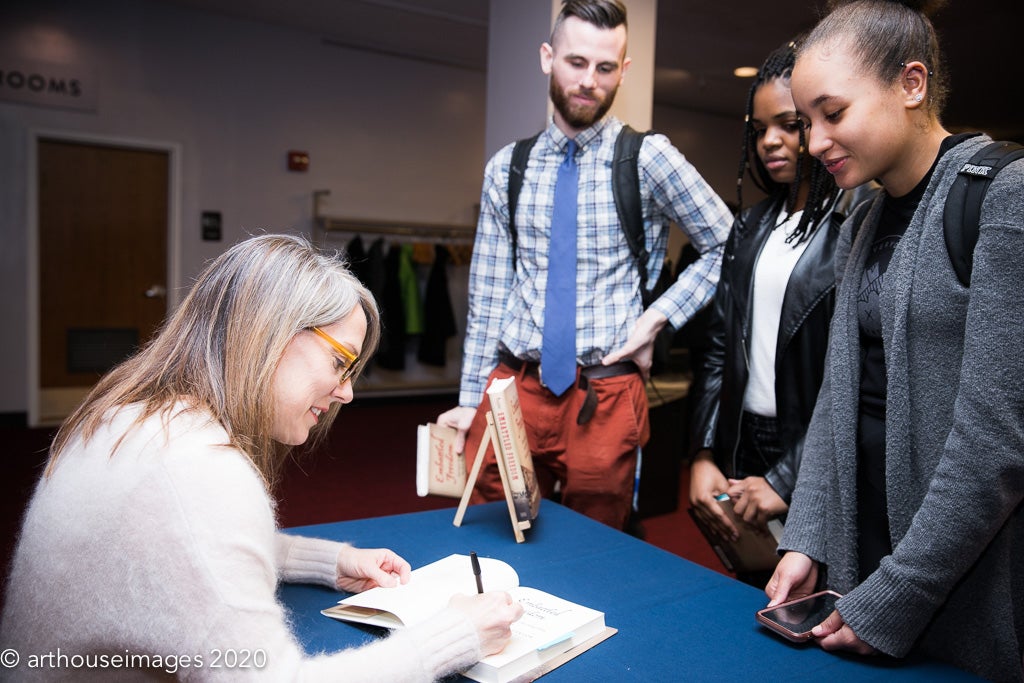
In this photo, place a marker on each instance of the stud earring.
(918, 97)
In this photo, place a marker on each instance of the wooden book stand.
(491, 437)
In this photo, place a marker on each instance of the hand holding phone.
(794, 619)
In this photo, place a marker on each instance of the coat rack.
(395, 231)
(417, 377)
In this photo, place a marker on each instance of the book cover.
(440, 470)
(514, 447)
(755, 549)
(551, 631)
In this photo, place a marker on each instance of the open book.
(755, 550)
(551, 631)
(440, 470)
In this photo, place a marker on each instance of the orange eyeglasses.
(352, 358)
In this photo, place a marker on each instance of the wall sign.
(210, 221)
(47, 85)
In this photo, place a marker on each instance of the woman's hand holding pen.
(492, 615)
(360, 569)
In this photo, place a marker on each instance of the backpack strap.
(961, 218)
(516, 170)
(626, 190)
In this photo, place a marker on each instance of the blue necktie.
(558, 352)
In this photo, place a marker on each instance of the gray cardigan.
(953, 587)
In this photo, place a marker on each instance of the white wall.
(517, 89)
(389, 137)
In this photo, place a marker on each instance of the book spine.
(507, 450)
(523, 454)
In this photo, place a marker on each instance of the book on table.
(513, 447)
(755, 550)
(440, 470)
(551, 631)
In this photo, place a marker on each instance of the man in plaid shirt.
(586, 439)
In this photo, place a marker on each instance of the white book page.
(431, 586)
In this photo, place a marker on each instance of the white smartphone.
(794, 619)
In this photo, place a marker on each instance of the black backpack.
(961, 215)
(625, 189)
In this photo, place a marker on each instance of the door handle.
(156, 292)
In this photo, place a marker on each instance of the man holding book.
(554, 297)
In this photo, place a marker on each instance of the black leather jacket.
(799, 358)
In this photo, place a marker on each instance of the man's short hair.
(601, 13)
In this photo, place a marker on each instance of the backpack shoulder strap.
(516, 169)
(626, 190)
(961, 218)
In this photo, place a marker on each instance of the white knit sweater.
(168, 551)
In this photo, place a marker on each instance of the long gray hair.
(219, 350)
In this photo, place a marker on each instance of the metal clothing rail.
(397, 231)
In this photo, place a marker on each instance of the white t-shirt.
(771, 276)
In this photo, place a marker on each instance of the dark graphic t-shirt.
(872, 511)
(896, 215)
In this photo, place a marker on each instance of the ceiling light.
(745, 71)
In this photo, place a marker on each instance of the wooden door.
(103, 227)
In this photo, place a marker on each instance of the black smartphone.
(794, 619)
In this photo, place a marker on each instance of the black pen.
(476, 572)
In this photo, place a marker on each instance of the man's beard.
(579, 117)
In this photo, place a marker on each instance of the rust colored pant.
(595, 463)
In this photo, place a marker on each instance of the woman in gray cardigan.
(909, 497)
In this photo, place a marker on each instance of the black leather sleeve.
(707, 383)
(782, 476)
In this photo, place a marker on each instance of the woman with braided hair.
(769, 325)
(910, 497)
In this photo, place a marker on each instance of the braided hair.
(779, 64)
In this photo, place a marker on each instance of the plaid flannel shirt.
(506, 302)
